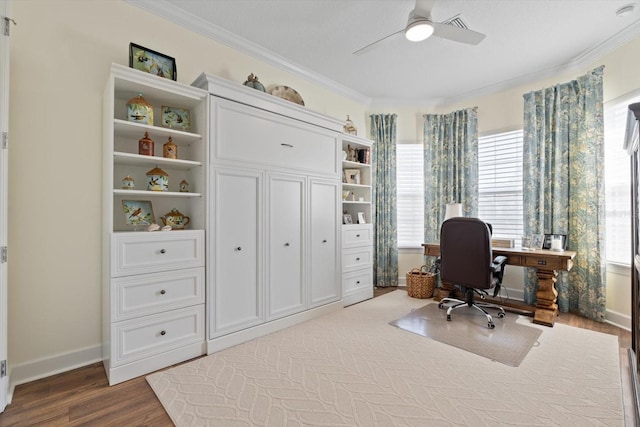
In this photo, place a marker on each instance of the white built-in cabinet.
(357, 228)
(153, 282)
(274, 244)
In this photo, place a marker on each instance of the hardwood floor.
(82, 397)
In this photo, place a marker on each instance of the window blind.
(617, 177)
(500, 183)
(410, 194)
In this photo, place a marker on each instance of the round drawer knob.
(324, 241)
(163, 332)
(357, 235)
(162, 292)
(357, 259)
(239, 248)
(357, 282)
(286, 244)
(163, 251)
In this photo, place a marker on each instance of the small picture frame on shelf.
(152, 62)
(346, 219)
(352, 176)
(175, 118)
(138, 212)
(361, 219)
(537, 240)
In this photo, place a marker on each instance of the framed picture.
(346, 219)
(175, 118)
(548, 241)
(137, 212)
(361, 219)
(352, 176)
(537, 240)
(526, 243)
(152, 62)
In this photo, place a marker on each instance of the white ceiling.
(525, 40)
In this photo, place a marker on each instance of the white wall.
(502, 112)
(61, 52)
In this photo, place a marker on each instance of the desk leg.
(547, 295)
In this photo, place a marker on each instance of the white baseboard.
(46, 367)
(620, 320)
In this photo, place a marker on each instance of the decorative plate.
(285, 92)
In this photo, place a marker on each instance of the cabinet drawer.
(146, 336)
(144, 294)
(357, 280)
(357, 235)
(546, 263)
(136, 253)
(246, 134)
(357, 258)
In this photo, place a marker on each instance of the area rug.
(351, 368)
(508, 343)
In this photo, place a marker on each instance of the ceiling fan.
(420, 26)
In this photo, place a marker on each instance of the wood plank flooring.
(82, 397)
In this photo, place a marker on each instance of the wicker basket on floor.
(420, 282)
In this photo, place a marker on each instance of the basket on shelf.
(420, 282)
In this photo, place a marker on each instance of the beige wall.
(60, 57)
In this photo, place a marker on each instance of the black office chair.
(466, 260)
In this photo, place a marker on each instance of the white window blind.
(617, 177)
(500, 183)
(410, 194)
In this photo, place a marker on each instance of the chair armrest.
(498, 263)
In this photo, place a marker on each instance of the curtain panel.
(563, 172)
(450, 166)
(385, 238)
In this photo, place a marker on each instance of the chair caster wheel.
(440, 305)
(492, 325)
(448, 317)
(501, 315)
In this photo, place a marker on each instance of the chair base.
(470, 302)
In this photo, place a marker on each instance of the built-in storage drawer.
(357, 235)
(145, 294)
(143, 337)
(357, 258)
(357, 280)
(249, 135)
(144, 252)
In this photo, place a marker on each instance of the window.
(500, 183)
(616, 179)
(410, 194)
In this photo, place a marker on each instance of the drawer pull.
(357, 282)
(324, 241)
(357, 259)
(163, 332)
(357, 235)
(542, 262)
(239, 248)
(163, 251)
(162, 292)
(287, 145)
(286, 244)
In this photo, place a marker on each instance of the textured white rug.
(352, 368)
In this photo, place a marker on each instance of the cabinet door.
(235, 296)
(285, 247)
(324, 242)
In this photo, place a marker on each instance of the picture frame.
(526, 243)
(346, 219)
(361, 218)
(537, 241)
(175, 118)
(352, 176)
(547, 241)
(138, 212)
(152, 62)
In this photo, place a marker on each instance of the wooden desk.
(547, 263)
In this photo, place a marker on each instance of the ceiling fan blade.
(457, 34)
(373, 45)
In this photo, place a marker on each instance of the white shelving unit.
(153, 282)
(357, 228)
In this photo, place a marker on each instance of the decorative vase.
(146, 145)
(252, 81)
(170, 150)
(127, 183)
(157, 180)
(139, 110)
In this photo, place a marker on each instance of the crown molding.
(168, 11)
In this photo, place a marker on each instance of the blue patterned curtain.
(385, 239)
(564, 186)
(450, 166)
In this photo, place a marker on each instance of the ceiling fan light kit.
(418, 29)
